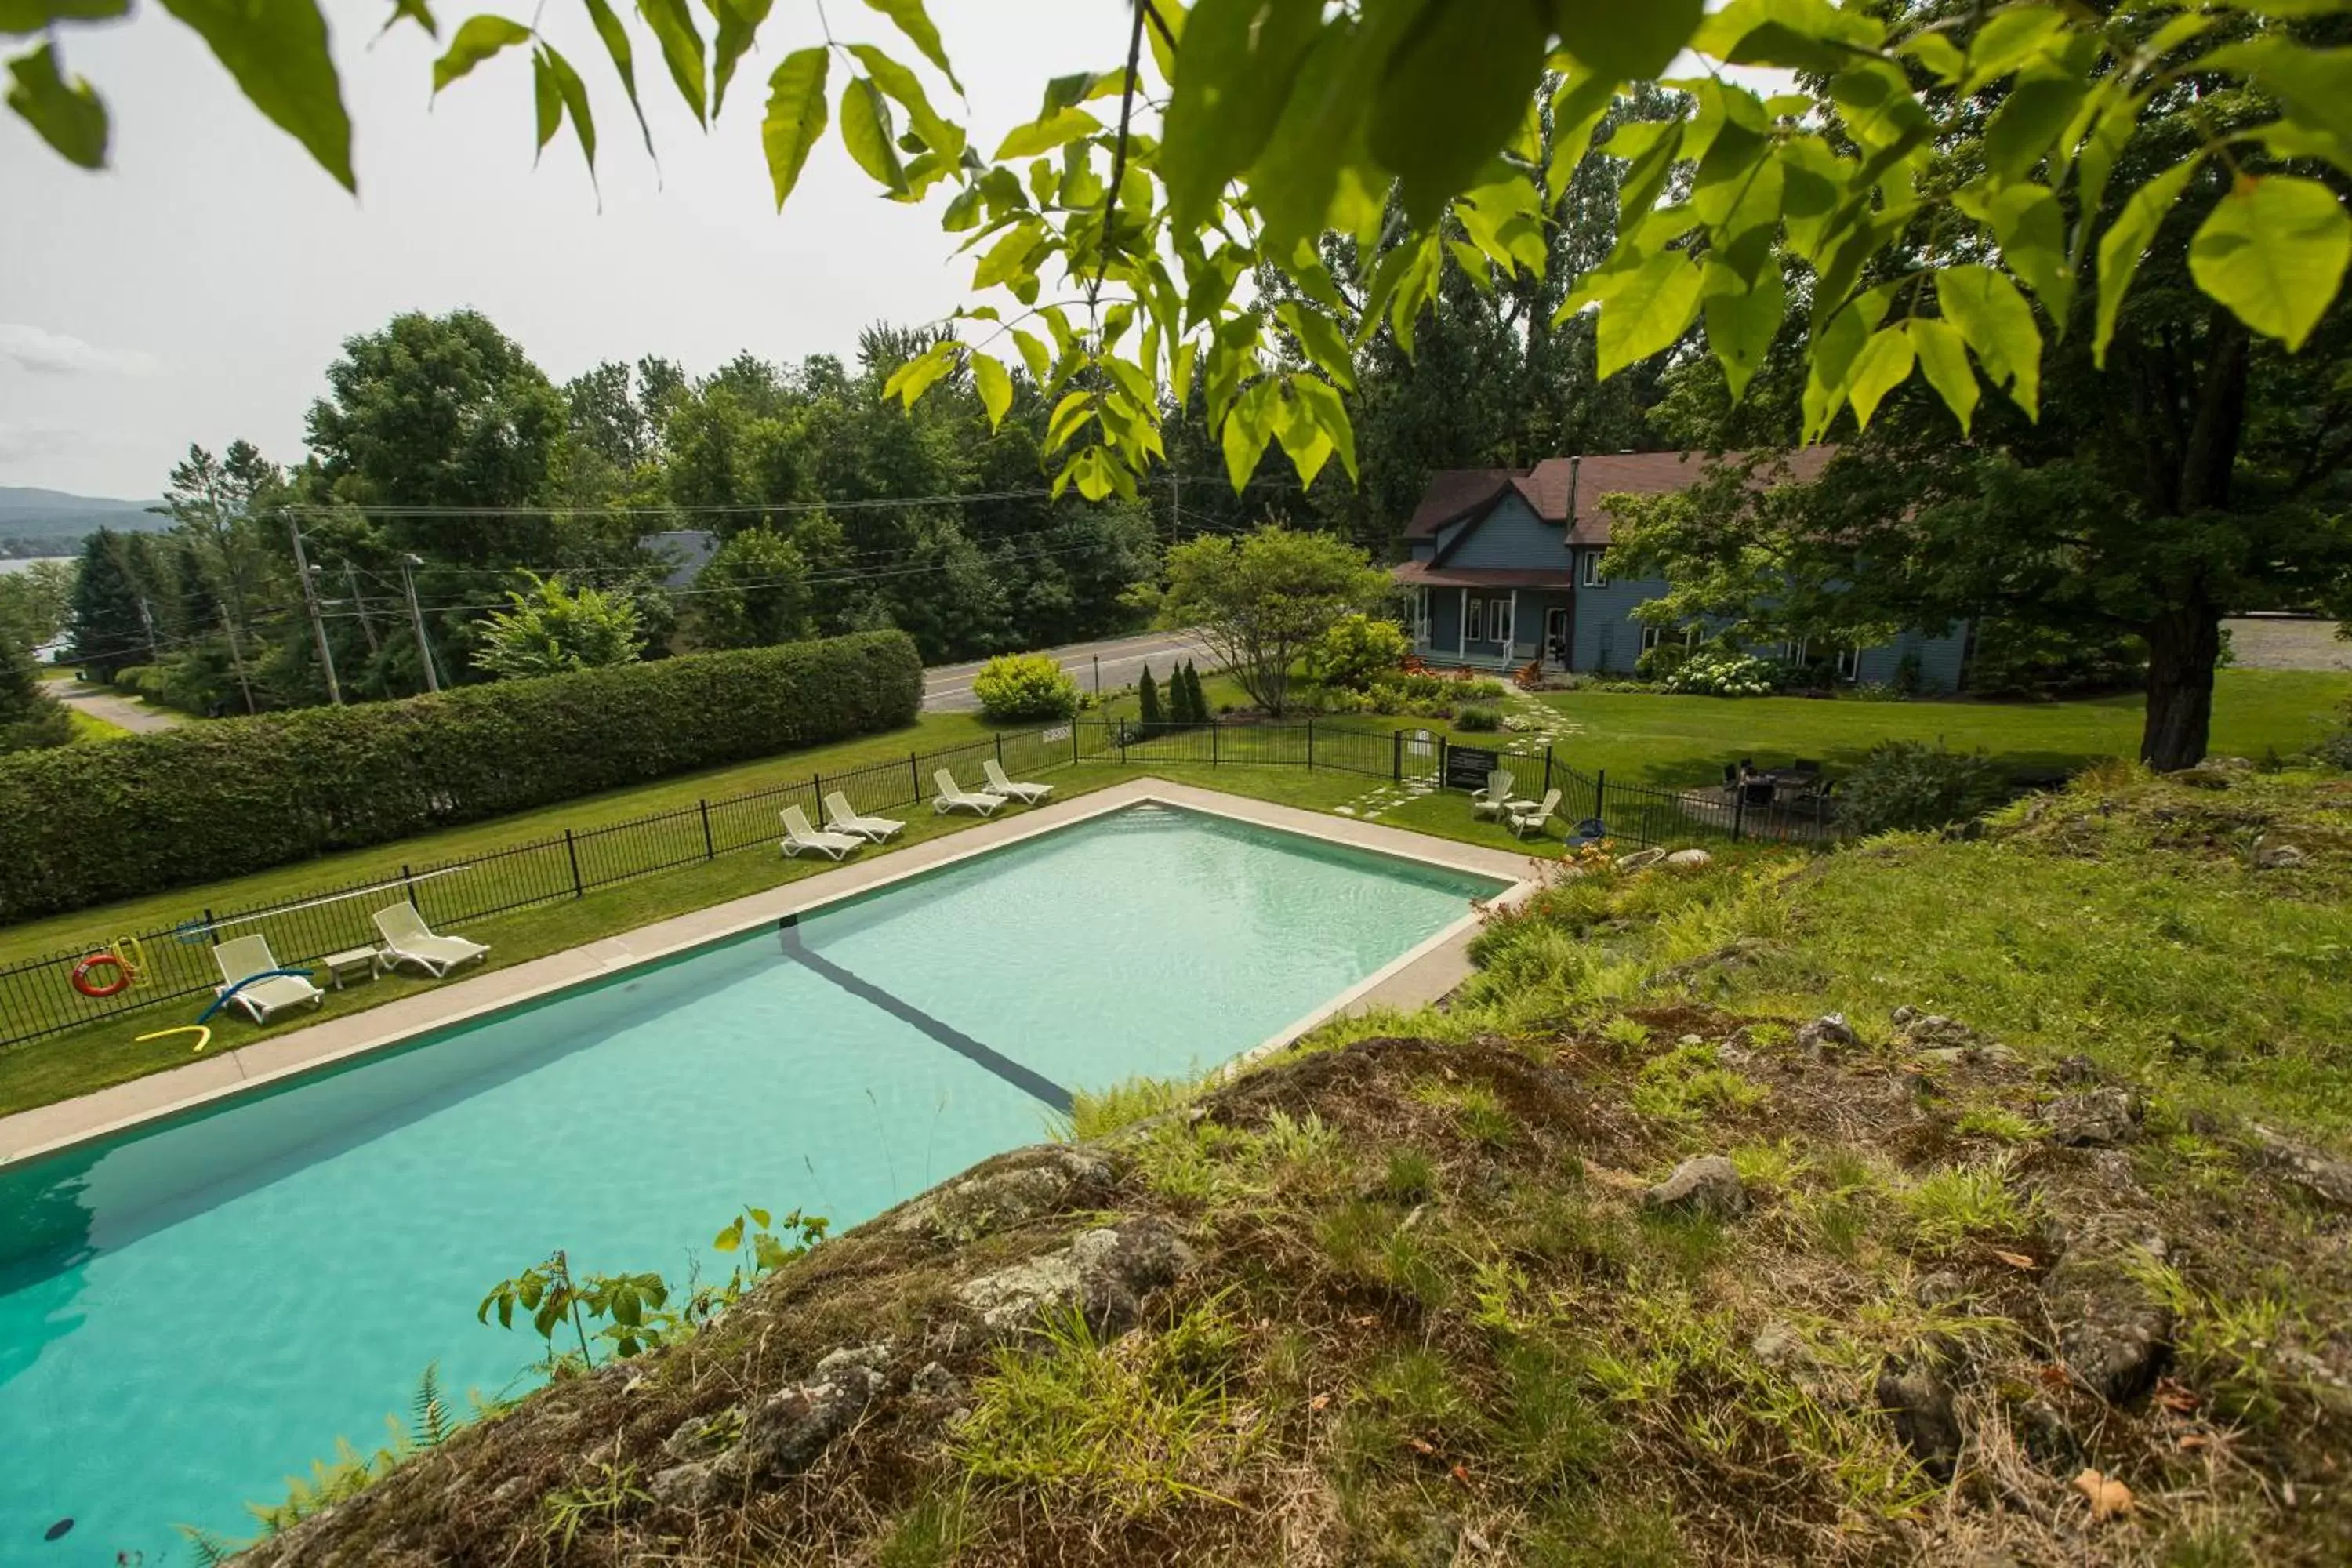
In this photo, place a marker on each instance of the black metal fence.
(37, 997)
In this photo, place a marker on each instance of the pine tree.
(29, 716)
(108, 632)
(1194, 701)
(1146, 695)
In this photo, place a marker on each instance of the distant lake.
(13, 564)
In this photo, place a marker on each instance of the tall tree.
(110, 631)
(1260, 602)
(29, 716)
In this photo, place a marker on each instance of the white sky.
(198, 289)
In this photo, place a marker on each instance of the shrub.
(1146, 700)
(1196, 701)
(1911, 785)
(2013, 658)
(1478, 716)
(1356, 648)
(1658, 663)
(1720, 672)
(1486, 688)
(1017, 685)
(84, 825)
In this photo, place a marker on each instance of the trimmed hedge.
(87, 825)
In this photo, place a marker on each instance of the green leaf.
(795, 119)
(2032, 228)
(1235, 63)
(615, 38)
(545, 99)
(574, 94)
(1008, 258)
(914, 378)
(909, 18)
(2009, 39)
(1325, 344)
(739, 24)
(1937, 53)
(1626, 42)
(477, 38)
(1646, 309)
(1249, 426)
(1322, 401)
(1576, 111)
(2273, 250)
(1180, 374)
(681, 48)
(2126, 241)
(22, 18)
(276, 50)
(1295, 180)
(415, 11)
(67, 115)
(1453, 94)
(2314, 86)
(2028, 121)
(1070, 416)
(1034, 355)
(995, 386)
(903, 85)
(1882, 365)
(1944, 356)
(1999, 325)
(1742, 322)
(1064, 125)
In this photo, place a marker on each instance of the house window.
(1652, 637)
(1594, 578)
(1849, 664)
(1474, 627)
(1499, 619)
(1797, 650)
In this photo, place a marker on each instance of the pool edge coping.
(158, 1097)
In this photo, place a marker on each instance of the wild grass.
(1959, 1204)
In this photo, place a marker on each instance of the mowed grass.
(1663, 740)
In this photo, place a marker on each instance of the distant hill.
(53, 522)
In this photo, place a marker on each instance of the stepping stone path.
(1548, 727)
(1385, 796)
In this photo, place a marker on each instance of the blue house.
(1510, 566)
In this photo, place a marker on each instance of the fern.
(429, 1424)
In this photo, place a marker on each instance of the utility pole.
(417, 619)
(147, 619)
(352, 580)
(237, 657)
(311, 602)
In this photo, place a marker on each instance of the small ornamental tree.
(1146, 698)
(1196, 705)
(1261, 601)
(1018, 686)
(1356, 648)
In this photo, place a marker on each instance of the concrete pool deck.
(1424, 975)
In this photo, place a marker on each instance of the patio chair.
(800, 836)
(408, 940)
(1490, 801)
(240, 959)
(1013, 789)
(1731, 775)
(953, 796)
(843, 818)
(1522, 818)
(1757, 792)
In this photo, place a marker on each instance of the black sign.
(1466, 767)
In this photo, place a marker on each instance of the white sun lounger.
(407, 939)
(953, 797)
(1523, 819)
(843, 818)
(800, 836)
(1027, 793)
(1490, 801)
(242, 958)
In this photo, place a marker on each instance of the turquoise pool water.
(188, 1315)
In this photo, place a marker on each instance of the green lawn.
(1662, 740)
(90, 727)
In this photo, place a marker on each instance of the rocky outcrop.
(1105, 1273)
(1705, 1183)
(2098, 1119)
(1915, 1392)
(2114, 1331)
(2319, 1177)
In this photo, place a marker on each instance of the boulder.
(2114, 1333)
(2279, 858)
(1690, 859)
(1705, 1183)
(787, 1432)
(1828, 1032)
(1034, 1182)
(2096, 1119)
(2317, 1175)
(1106, 1272)
(936, 1382)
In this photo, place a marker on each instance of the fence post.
(1396, 756)
(1548, 772)
(710, 850)
(1213, 728)
(1000, 748)
(817, 794)
(915, 772)
(408, 885)
(1310, 745)
(1075, 721)
(1599, 791)
(572, 851)
(1738, 812)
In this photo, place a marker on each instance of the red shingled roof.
(1456, 493)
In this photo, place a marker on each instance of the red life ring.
(89, 987)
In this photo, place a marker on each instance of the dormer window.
(1594, 578)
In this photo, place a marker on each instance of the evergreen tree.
(1147, 695)
(109, 633)
(1196, 704)
(29, 716)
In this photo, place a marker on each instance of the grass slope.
(1397, 1297)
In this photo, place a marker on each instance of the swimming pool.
(189, 1313)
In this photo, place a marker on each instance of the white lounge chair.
(1490, 801)
(1026, 793)
(1523, 819)
(953, 797)
(240, 959)
(800, 836)
(843, 818)
(408, 940)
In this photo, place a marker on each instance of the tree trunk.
(2184, 644)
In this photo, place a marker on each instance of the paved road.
(946, 689)
(2280, 642)
(125, 712)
